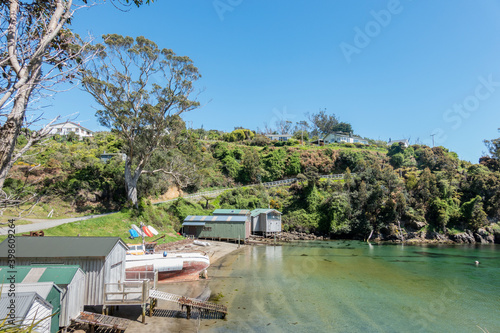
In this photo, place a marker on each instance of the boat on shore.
(171, 266)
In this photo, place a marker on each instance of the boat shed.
(102, 259)
(29, 308)
(266, 221)
(225, 227)
(46, 290)
(70, 279)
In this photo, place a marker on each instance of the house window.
(207, 228)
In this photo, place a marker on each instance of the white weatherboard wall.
(72, 299)
(41, 311)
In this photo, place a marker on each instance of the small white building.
(279, 137)
(404, 142)
(339, 137)
(265, 221)
(29, 308)
(68, 127)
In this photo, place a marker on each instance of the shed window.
(207, 228)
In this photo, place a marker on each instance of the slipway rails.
(95, 320)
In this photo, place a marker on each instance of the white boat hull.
(172, 266)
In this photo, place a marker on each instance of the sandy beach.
(168, 317)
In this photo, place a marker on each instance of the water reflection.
(339, 287)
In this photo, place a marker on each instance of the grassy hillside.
(415, 185)
(114, 225)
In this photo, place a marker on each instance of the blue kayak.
(133, 233)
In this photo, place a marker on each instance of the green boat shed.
(219, 227)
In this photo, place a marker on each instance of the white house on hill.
(339, 137)
(404, 142)
(68, 127)
(279, 137)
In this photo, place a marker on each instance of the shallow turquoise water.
(348, 286)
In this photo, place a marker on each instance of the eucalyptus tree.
(142, 91)
(494, 147)
(37, 52)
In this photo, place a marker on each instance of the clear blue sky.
(393, 69)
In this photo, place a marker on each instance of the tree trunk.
(9, 133)
(131, 178)
(371, 234)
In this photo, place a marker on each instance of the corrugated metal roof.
(231, 211)
(19, 273)
(258, 211)
(59, 274)
(196, 224)
(57, 247)
(218, 218)
(41, 288)
(24, 300)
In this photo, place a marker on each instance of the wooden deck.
(99, 320)
(189, 303)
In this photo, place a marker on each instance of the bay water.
(350, 286)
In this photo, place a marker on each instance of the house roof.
(278, 135)
(347, 135)
(193, 224)
(231, 211)
(71, 123)
(41, 288)
(217, 218)
(61, 247)
(24, 300)
(391, 142)
(258, 211)
(59, 274)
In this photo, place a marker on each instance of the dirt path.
(41, 224)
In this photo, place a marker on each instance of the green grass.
(114, 225)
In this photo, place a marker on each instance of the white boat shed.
(102, 259)
(265, 221)
(29, 308)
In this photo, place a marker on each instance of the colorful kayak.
(153, 230)
(147, 232)
(133, 233)
(138, 230)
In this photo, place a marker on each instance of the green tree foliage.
(251, 170)
(245, 198)
(274, 164)
(239, 135)
(342, 127)
(293, 165)
(473, 213)
(38, 50)
(322, 123)
(494, 147)
(145, 115)
(336, 215)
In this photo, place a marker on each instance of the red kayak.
(147, 231)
